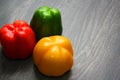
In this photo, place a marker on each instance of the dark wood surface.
(93, 26)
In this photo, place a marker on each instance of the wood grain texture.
(93, 26)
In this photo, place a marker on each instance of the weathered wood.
(93, 26)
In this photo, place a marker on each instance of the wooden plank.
(93, 26)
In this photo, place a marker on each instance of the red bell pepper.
(17, 40)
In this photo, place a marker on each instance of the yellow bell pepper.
(53, 56)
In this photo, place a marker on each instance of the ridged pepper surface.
(17, 40)
(46, 21)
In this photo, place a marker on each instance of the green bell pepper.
(46, 22)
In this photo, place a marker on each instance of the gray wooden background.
(93, 26)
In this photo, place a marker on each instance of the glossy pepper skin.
(46, 22)
(17, 40)
(53, 55)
